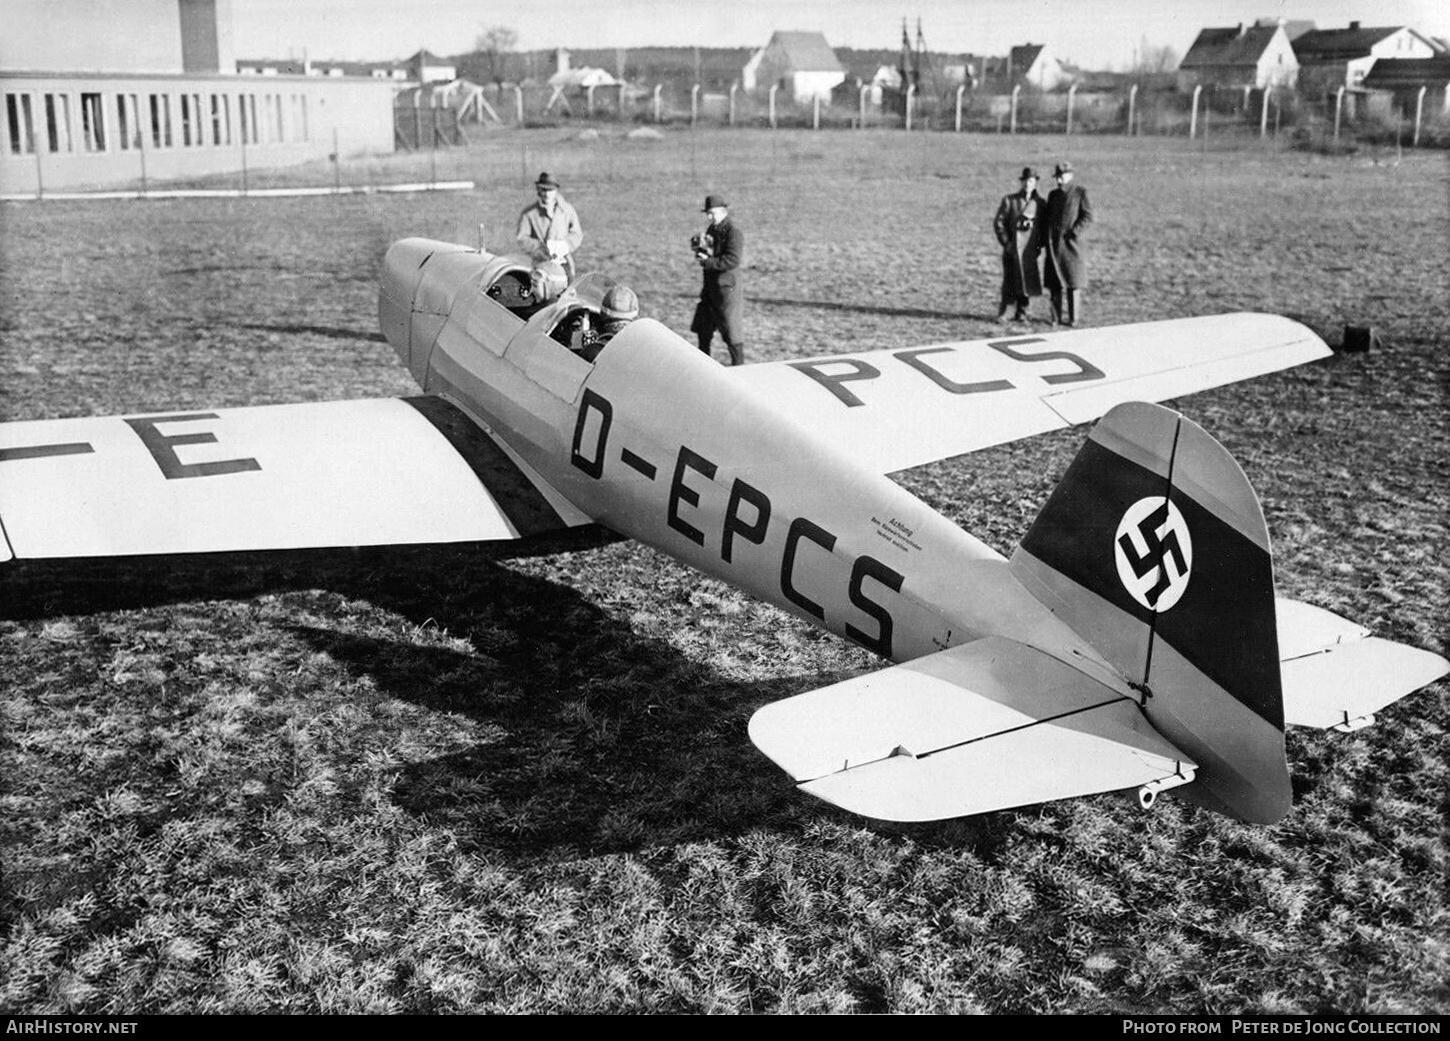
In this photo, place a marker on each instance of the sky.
(1098, 34)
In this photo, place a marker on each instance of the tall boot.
(737, 352)
(1056, 298)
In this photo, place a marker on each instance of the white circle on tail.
(1154, 552)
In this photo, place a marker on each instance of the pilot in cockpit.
(619, 307)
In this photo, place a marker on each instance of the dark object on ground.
(1359, 339)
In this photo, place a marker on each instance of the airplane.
(1133, 640)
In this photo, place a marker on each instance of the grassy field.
(442, 781)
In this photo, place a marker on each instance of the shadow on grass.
(589, 737)
(330, 331)
(835, 306)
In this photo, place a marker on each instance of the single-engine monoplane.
(1132, 640)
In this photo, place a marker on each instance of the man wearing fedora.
(1068, 215)
(720, 251)
(549, 229)
(1018, 229)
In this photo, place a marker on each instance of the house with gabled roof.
(1334, 58)
(801, 63)
(1259, 56)
(427, 67)
(1032, 65)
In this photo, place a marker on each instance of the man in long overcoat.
(549, 229)
(720, 252)
(1068, 215)
(1018, 229)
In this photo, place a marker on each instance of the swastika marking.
(1154, 553)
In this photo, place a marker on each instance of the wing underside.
(901, 408)
(273, 477)
(985, 726)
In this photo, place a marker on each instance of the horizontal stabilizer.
(1337, 675)
(985, 726)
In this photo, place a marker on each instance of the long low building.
(66, 131)
(106, 93)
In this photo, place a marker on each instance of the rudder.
(1154, 548)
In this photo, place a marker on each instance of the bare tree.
(496, 44)
(1149, 57)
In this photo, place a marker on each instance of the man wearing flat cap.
(1018, 227)
(720, 251)
(549, 229)
(1068, 215)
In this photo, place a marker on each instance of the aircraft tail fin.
(1154, 548)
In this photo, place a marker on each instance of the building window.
(93, 123)
(221, 120)
(19, 120)
(57, 123)
(160, 105)
(191, 123)
(299, 117)
(128, 119)
(247, 118)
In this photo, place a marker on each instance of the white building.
(800, 63)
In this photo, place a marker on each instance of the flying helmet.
(621, 304)
(547, 280)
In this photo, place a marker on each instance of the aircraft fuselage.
(713, 474)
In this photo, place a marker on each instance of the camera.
(697, 242)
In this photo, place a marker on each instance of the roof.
(1387, 73)
(1293, 27)
(1233, 46)
(1024, 55)
(1330, 44)
(427, 57)
(807, 51)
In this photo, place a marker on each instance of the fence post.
(1071, 97)
(1338, 108)
(589, 101)
(816, 115)
(961, 89)
(773, 88)
(694, 103)
(862, 104)
(910, 103)
(1132, 106)
(519, 104)
(1264, 114)
(1419, 111)
(1193, 116)
(733, 87)
(658, 87)
(1015, 91)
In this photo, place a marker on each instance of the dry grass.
(430, 781)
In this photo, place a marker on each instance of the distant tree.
(496, 44)
(1152, 58)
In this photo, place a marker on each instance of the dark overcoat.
(1068, 215)
(1018, 225)
(722, 298)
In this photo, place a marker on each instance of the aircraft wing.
(272, 477)
(984, 726)
(896, 409)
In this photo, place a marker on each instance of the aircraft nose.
(402, 271)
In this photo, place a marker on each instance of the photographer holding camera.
(720, 251)
(1019, 232)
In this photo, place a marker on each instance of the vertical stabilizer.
(1154, 548)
